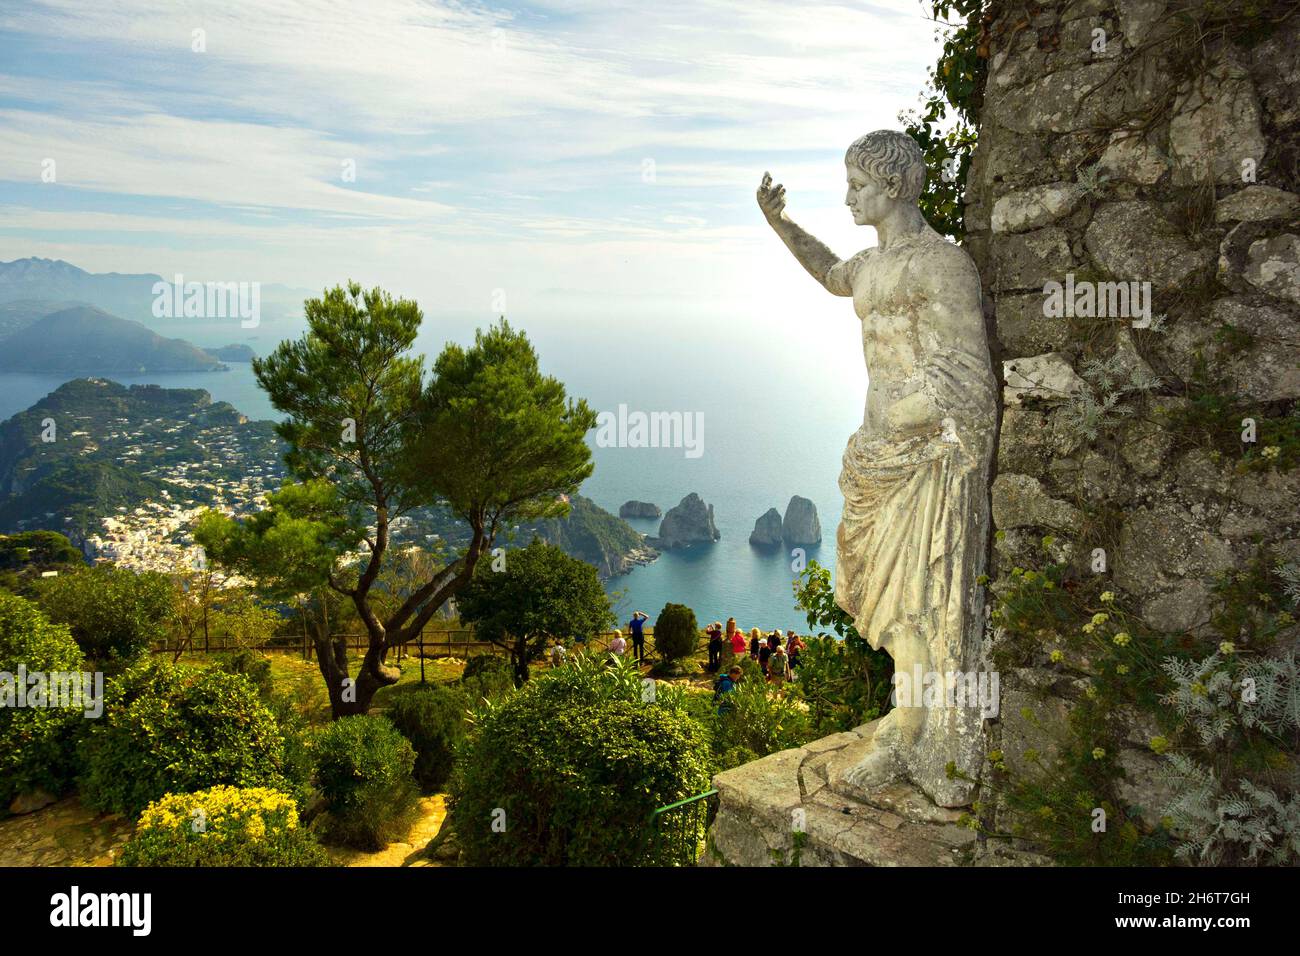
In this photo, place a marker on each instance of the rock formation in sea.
(690, 522)
(801, 525)
(767, 529)
(639, 509)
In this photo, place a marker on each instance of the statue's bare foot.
(870, 763)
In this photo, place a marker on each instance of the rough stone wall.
(1171, 156)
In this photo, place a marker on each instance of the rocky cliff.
(594, 535)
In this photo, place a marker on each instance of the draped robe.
(912, 542)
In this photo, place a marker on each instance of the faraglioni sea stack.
(690, 522)
(801, 525)
(767, 529)
(639, 509)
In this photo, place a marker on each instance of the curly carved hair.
(886, 152)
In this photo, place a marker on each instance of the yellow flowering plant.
(222, 826)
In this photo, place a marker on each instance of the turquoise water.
(777, 410)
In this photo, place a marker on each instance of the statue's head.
(884, 169)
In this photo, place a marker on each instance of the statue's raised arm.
(811, 252)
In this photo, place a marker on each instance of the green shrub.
(761, 720)
(252, 665)
(676, 633)
(175, 729)
(363, 768)
(35, 742)
(486, 677)
(433, 719)
(751, 671)
(841, 683)
(114, 614)
(222, 826)
(299, 762)
(572, 765)
(845, 682)
(734, 757)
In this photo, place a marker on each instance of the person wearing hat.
(765, 652)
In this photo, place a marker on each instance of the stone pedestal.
(763, 804)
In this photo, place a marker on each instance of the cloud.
(481, 136)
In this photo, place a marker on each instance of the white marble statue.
(915, 475)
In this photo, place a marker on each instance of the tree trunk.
(332, 660)
(519, 658)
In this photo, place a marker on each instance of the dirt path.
(433, 811)
(62, 834)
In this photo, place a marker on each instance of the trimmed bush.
(35, 742)
(222, 826)
(363, 768)
(252, 665)
(432, 718)
(170, 728)
(676, 633)
(573, 764)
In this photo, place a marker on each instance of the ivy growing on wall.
(947, 121)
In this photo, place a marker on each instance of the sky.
(591, 160)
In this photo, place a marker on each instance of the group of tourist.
(618, 646)
(776, 655)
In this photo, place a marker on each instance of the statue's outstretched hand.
(771, 199)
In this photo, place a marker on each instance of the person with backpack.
(778, 667)
(723, 686)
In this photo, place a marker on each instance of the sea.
(776, 402)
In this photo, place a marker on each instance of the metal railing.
(678, 831)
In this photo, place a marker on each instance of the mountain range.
(31, 284)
